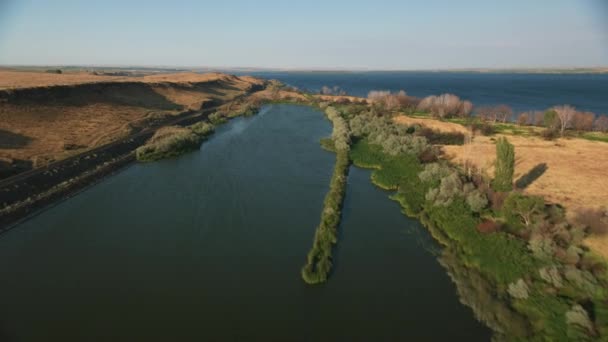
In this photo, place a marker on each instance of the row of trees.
(446, 106)
(559, 118)
(319, 259)
(565, 117)
(393, 101)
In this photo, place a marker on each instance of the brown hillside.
(45, 117)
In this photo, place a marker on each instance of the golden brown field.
(576, 175)
(45, 117)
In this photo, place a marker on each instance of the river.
(209, 247)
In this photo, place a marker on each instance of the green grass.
(500, 258)
(594, 136)
(328, 144)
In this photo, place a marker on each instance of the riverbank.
(545, 295)
(29, 191)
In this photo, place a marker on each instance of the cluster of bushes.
(319, 259)
(559, 119)
(446, 184)
(493, 114)
(445, 106)
(533, 258)
(173, 141)
(436, 137)
(392, 101)
(394, 139)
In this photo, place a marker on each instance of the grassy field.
(575, 169)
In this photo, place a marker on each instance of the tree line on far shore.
(557, 119)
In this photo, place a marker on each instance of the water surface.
(209, 247)
(522, 92)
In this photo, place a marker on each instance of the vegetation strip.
(319, 260)
(540, 282)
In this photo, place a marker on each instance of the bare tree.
(504, 113)
(445, 105)
(392, 101)
(467, 108)
(539, 118)
(601, 123)
(493, 114)
(565, 114)
(583, 121)
(523, 119)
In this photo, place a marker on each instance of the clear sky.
(425, 34)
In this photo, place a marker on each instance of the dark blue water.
(522, 92)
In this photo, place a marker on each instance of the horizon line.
(311, 69)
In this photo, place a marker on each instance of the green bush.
(168, 142)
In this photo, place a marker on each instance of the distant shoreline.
(560, 71)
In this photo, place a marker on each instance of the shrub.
(578, 316)
(217, 118)
(202, 128)
(550, 134)
(451, 186)
(550, 119)
(505, 166)
(445, 106)
(521, 209)
(440, 138)
(552, 276)
(476, 201)
(433, 173)
(493, 114)
(595, 219)
(601, 123)
(518, 289)
(391, 101)
(488, 226)
(429, 155)
(168, 142)
(484, 128)
(583, 121)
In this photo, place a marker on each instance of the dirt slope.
(45, 117)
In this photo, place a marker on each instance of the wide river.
(209, 247)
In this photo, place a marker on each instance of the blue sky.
(427, 34)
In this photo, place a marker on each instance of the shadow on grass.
(532, 175)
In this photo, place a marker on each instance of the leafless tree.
(583, 121)
(392, 101)
(493, 114)
(565, 114)
(539, 118)
(523, 119)
(445, 105)
(601, 123)
(504, 113)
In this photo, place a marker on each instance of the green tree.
(505, 166)
(550, 119)
(520, 209)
